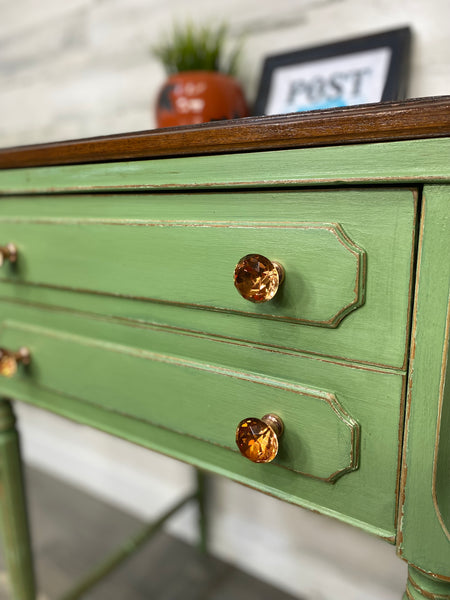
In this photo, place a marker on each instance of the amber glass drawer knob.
(8, 252)
(10, 360)
(257, 439)
(257, 278)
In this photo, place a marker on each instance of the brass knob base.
(275, 422)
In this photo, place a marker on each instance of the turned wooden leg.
(13, 513)
(421, 586)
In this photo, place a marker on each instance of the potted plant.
(201, 85)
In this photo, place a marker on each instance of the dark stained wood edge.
(384, 121)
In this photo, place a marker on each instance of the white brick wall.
(82, 67)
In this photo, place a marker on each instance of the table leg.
(421, 586)
(202, 510)
(13, 512)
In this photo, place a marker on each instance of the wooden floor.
(73, 531)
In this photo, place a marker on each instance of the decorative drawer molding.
(173, 256)
(193, 398)
(168, 262)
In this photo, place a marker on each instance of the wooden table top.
(384, 121)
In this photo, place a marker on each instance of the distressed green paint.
(373, 398)
(421, 586)
(311, 494)
(169, 262)
(425, 541)
(309, 414)
(189, 267)
(399, 161)
(203, 364)
(442, 456)
(13, 515)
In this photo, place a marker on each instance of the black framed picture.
(361, 70)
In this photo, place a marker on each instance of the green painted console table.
(118, 310)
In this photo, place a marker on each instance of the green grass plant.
(192, 47)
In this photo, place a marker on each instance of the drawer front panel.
(191, 397)
(346, 253)
(186, 395)
(192, 264)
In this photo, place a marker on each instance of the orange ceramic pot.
(193, 97)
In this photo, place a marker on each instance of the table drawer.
(193, 264)
(180, 252)
(341, 423)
